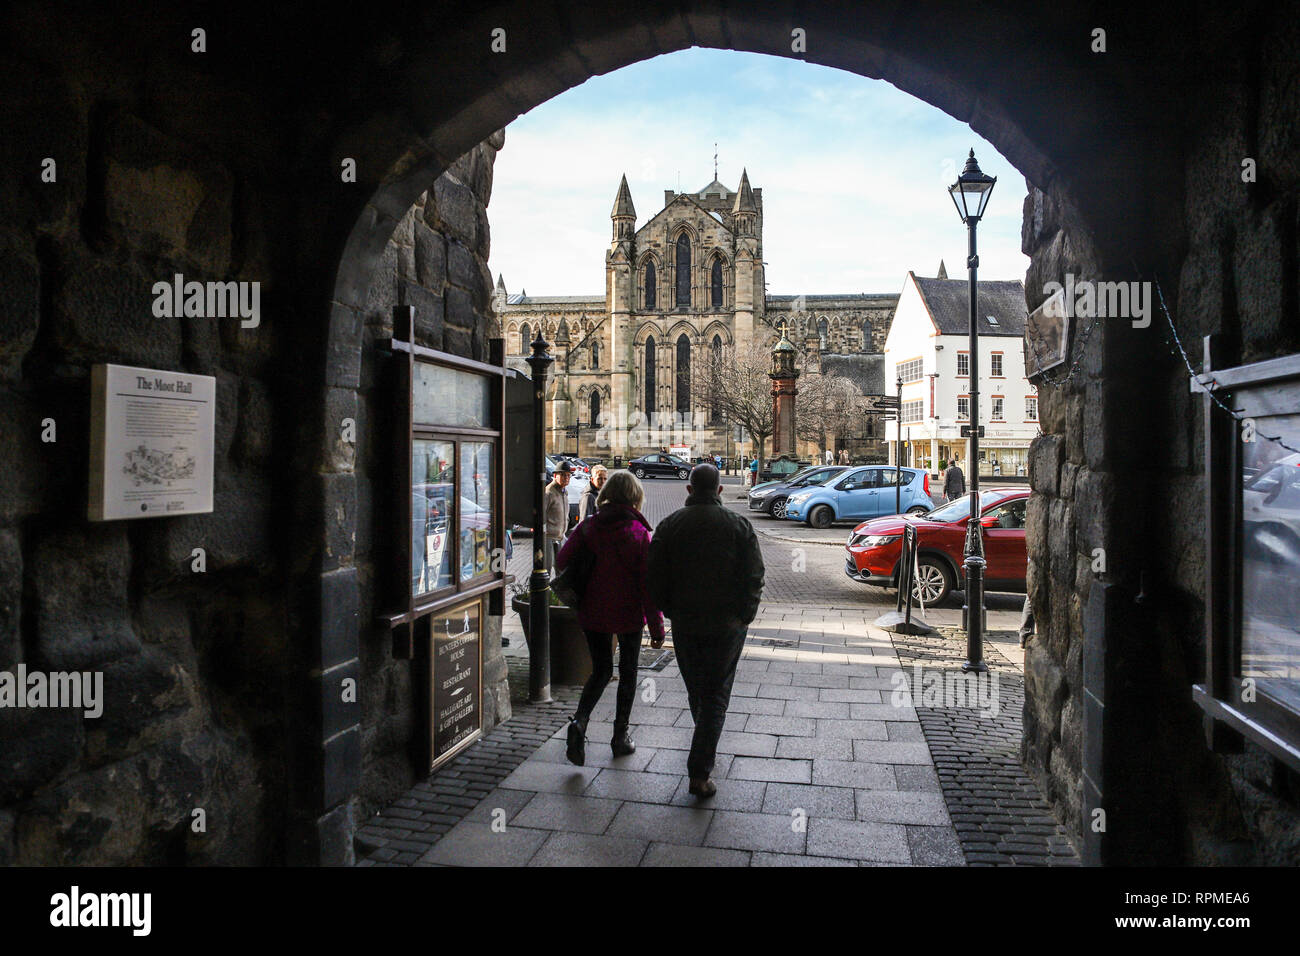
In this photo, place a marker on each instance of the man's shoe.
(703, 788)
(622, 744)
(577, 748)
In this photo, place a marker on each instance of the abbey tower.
(690, 279)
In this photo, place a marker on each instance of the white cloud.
(854, 174)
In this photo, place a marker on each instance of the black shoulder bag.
(570, 583)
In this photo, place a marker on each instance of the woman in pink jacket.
(615, 601)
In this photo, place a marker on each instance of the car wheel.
(919, 510)
(683, 473)
(821, 516)
(933, 581)
(777, 510)
(639, 472)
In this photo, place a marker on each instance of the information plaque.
(455, 657)
(152, 436)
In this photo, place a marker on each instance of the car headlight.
(795, 499)
(873, 540)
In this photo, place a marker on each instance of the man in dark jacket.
(706, 575)
(954, 482)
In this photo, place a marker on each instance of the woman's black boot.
(576, 750)
(622, 744)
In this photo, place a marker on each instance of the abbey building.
(688, 280)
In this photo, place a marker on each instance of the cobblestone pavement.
(819, 764)
(997, 811)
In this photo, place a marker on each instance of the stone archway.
(1101, 147)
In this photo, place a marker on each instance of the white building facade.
(928, 347)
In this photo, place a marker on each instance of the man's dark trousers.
(708, 665)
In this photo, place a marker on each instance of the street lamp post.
(970, 194)
(898, 449)
(539, 584)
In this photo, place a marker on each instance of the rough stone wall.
(193, 663)
(1120, 468)
(436, 261)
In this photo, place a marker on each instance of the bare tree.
(735, 382)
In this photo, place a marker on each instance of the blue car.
(861, 493)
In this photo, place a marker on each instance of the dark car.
(660, 465)
(875, 546)
(771, 497)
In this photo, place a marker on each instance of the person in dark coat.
(954, 482)
(615, 601)
(706, 574)
(587, 503)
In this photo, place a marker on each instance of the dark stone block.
(382, 293)
(44, 118)
(81, 578)
(255, 430)
(335, 832)
(146, 699)
(343, 358)
(460, 310)
(430, 258)
(166, 199)
(20, 305)
(335, 713)
(338, 617)
(103, 311)
(459, 342)
(11, 597)
(341, 422)
(461, 268)
(428, 314)
(455, 209)
(340, 767)
(27, 458)
(340, 510)
(38, 746)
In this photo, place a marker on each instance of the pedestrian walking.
(587, 504)
(555, 512)
(954, 482)
(615, 603)
(753, 472)
(706, 575)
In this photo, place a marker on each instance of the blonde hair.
(599, 470)
(621, 488)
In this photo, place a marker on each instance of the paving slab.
(584, 849)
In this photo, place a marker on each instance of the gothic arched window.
(651, 293)
(683, 271)
(683, 374)
(525, 337)
(595, 354)
(650, 375)
(716, 284)
(866, 335)
(823, 333)
(594, 417)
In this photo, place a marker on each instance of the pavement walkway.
(822, 762)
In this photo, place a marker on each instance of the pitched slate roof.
(948, 301)
(866, 370)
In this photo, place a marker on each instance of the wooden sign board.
(152, 441)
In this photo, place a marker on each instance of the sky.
(854, 173)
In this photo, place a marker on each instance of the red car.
(875, 546)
